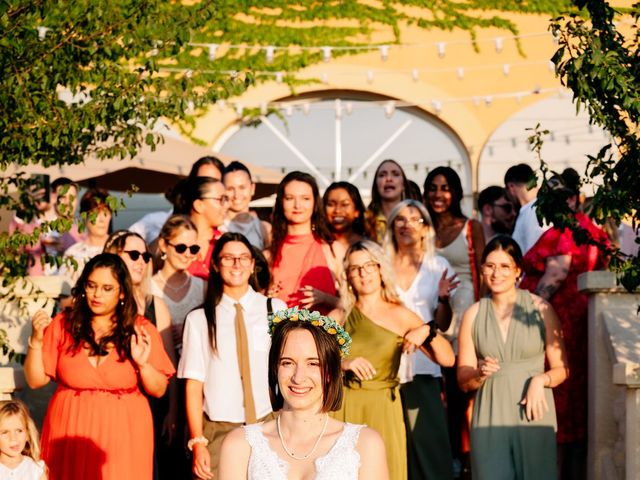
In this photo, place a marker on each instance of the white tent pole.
(382, 148)
(294, 150)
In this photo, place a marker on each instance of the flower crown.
(328, 324)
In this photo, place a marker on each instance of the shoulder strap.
(269, 306)
(472, 261)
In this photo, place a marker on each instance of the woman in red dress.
(102, 354)
(305, 261)
(551, 268)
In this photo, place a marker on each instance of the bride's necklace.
(171, 287)
(315, 445)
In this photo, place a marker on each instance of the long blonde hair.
(428, 243)
(16, 407)
(387, 277)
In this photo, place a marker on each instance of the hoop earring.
(163, 256)
(277, 390)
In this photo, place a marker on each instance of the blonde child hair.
(16, 407)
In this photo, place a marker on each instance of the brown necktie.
(242, 347)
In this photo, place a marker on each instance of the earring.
(122, 303)
(277, 390)
(163, 256)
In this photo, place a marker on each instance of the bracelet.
(31, 346)
(432, 333)
(549, 377)
(197, 440)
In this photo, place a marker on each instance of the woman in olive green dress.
(504, 340)
(380, 328)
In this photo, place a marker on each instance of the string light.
(499, 44)
(370, 76)
(460, 72)
(415, 74)
(389, 108)
(384, 52)
(506, 69)
(269, 52)
(326, 54)
(213, 49)
(442, 49)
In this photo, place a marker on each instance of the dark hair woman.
(305, 382)
(345, 213)
(305, 261)
(102, 355)
(390, 185)
(224, 353)
(204, 200)
(505, 341)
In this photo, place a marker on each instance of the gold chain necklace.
(315, 445)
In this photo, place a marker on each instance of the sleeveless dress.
(98, 423)
(28, 469)
(504, 444)
(301, 261)
(376, 402)
(457, 254)
(342, 462)
(571, 307)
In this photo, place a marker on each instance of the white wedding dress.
(342, 462)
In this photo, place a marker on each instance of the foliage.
(602, 68)
(93, 76)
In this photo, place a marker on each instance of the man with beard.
(497, 212)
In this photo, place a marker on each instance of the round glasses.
(181, 248)
(403, 222)
(368, 267)
(503, 269)
(230, 260)
(134, 255)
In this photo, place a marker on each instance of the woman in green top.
(380, 328)
(504, 340)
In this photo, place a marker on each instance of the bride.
(304, 443)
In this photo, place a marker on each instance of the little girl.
(19, 448)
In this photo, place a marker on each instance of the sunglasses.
(181, 248)
(134, 255)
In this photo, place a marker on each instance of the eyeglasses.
(403, 221)
(503, 269)
(222, 200)
(230, 260)
(181, 248)
(92, 288)
(507, 207)
(368, 267)
(134, 255)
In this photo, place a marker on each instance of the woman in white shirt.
(423, 282)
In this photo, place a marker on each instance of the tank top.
(342, 462)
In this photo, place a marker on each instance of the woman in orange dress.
(102, 354)
(305, 261)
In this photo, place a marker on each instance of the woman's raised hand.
(447, 285)
(140, 346)
(39, 323)
(362, 367)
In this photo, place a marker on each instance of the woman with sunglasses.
(104, 357)
(507, 340)
(181, 291)
(132, 249)
(380, 327)
(204, 201)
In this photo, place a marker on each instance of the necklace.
(315, 445)
(171, 287)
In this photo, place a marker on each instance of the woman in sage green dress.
(504, 340)
(380, 328)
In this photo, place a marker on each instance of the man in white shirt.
(211, 364)
(520, 183)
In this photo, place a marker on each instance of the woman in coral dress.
(102, 355)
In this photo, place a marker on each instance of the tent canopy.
(150, 171)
